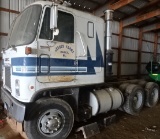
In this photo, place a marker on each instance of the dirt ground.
(144, 126)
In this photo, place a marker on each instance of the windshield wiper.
(3, 50)
(13, 47)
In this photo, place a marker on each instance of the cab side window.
(90, 29)
(66, 28)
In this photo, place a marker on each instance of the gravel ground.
(144, 126)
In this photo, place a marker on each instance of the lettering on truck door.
(56, 62)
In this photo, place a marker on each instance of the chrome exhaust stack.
(108, 44)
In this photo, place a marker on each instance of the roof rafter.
(114, 6)
(119, 4)
(140, 11)
(139, 18)
(149, 23)
(152, 27)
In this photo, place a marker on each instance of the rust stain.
(56, 78)
(61, 78)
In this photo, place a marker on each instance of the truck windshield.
(25, 27)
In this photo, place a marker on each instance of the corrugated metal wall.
(6, 18)
(130, 39)
(130, 49)
(130, 42)
(115, 44)
(147, 50)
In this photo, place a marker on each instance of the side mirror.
(56, 32)
(53, 19)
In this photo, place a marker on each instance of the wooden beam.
(150, 23)
(3, 34)
(120, 4)
(124, 62)
(155, 46)
(9, 10)
(139, 52)
(120, 49)
(152, 27)
(143, 9)
(114, 6)
(148, 15)
(137, 19)
(130, 50)
(135, 38)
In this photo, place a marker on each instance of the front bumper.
(14, 108)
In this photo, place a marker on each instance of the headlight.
(17, 87)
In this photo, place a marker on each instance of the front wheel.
(50, 118)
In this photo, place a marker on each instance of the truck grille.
(8, 77)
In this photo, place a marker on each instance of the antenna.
(64, 3)
(56, 1)
(67, 4)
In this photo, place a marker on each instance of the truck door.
(56, 62)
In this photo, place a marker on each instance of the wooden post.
(120, 49)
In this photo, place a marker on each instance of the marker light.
(31, 88)
(28, 50)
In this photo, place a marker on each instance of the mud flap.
(108, 120)
(89, 130)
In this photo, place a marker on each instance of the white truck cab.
(54, 60)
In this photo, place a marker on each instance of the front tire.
(49, 118)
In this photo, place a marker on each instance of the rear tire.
(152, 94)
(142, 83)
(123, 87)
(134, 100)
(48, 119)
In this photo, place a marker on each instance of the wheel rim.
(51, 122)
(137, 100)
(154, 95)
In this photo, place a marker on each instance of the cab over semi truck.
(55, 67)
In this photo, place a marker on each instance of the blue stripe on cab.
(24, 61)
(84, 67)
